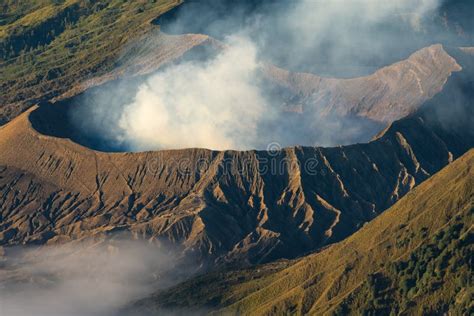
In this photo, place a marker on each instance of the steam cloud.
(215, 104)
(83, 279)
(222, 104)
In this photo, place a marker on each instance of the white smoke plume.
(220, 103)
(214, 104)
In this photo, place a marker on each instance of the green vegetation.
(436, 278)
(210, 296)
(414, 259)
(48, 46)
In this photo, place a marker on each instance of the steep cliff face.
(220, 206)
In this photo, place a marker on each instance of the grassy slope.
(417, 256)
(48, 46)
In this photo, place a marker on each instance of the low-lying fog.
(84, 278)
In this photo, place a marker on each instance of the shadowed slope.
(414, 258)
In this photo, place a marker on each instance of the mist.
(221, 102)
(88, 278)
(334, 38)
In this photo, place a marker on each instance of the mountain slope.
(251, 206)
(414, 258)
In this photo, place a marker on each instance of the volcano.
(236, 158)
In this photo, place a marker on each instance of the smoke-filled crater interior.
(165, 111)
